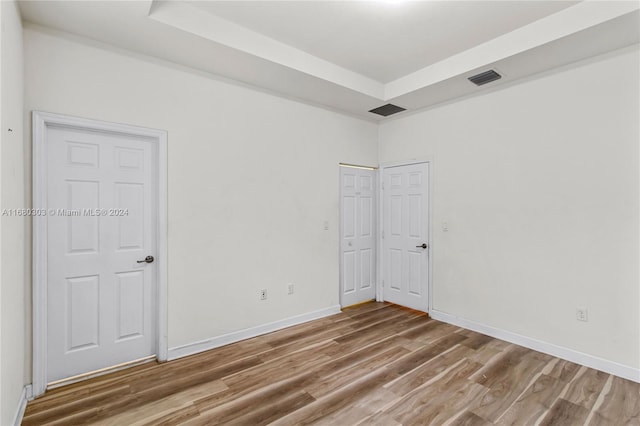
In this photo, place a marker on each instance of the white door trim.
(380, 261)
(42, 120)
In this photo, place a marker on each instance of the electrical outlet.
(581, 314)
(263, 294)
(290, 289)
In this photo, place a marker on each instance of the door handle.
(424, 246)
(147, 259)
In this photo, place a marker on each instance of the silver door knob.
(147, 259)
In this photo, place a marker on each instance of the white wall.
(13, 282)
(252, 178)
(539, 184)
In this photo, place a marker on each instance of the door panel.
(366, 267)
(100, 309)
(415, 275)
(405, 229)
(366, 211)
(130, 306)
(358, 235)
(349, 216)
(130, 197)
(395, 260)
(82, 312)
(349, 271)
(82, 234)
(396, 216)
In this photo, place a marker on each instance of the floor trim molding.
(620, 370)
(236, 336)
(25, 396)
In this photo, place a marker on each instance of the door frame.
(41, 121)
(380, 254)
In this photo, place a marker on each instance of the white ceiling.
(352, 56)
(382, 40)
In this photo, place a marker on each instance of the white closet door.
(405, 253)
(358, 235)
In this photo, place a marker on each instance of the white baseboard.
(236, 336)
(25, 396)
(620, 370)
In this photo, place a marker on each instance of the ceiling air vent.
(485, 77)
(387, 110)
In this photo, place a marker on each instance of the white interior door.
(357, 235)
(405, 235)
(102, 220)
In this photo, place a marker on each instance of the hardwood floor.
(374, 364)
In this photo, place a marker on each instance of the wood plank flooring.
(374, 364)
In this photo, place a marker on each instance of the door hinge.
(383, 185)
(382, 234)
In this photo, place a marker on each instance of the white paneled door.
(405, 235)
(101, 226)
(357, 235)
